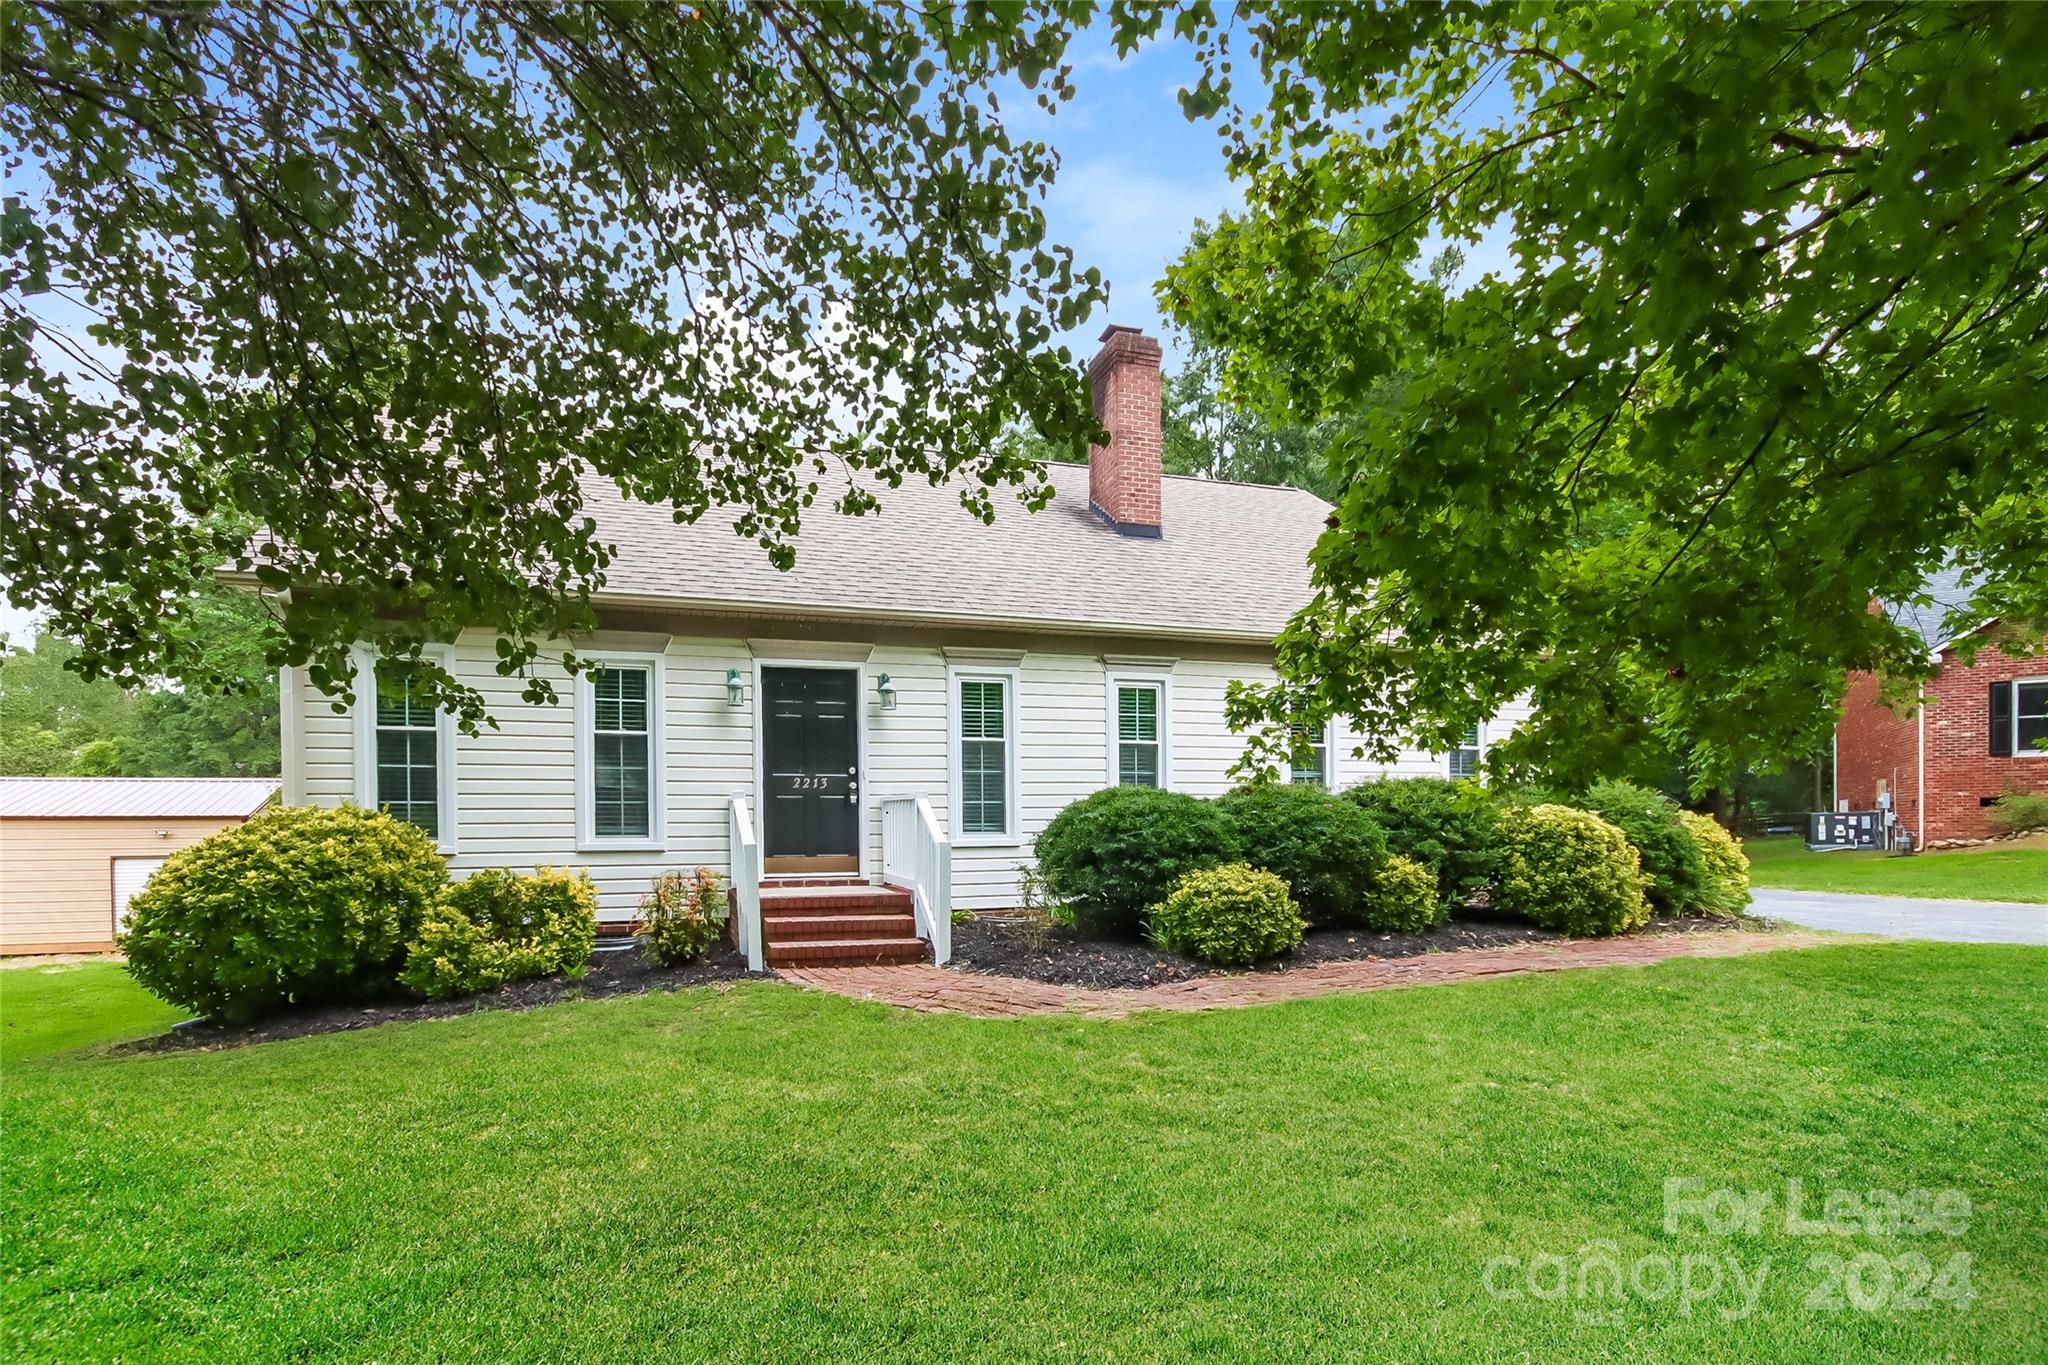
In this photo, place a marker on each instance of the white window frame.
(1478, 763)
(2023, 750)
(446, 840)
(656, 838)
(1011, 835)
(1161, 679)
(1329, 746)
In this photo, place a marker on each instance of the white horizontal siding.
(516, 785)
(1409, 762)
(1062, 748)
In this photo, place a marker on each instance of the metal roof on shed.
(138, 798)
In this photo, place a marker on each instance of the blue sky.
(1135, 174)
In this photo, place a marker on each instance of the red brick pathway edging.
(921, 986)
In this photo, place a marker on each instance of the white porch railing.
(746, 883)
(917, 857)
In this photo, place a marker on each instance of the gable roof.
(139, 798)
(1951, 589)
(1232, 561)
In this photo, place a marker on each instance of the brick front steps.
(839, 924)
(945, 990)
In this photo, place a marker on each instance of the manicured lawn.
(764, 1172)
(52, 1009)
(2000, 872)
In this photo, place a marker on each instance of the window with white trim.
(2030, 716)
(407, 737)
(1465, 758)
(1139, 748)
(1310, 764)
(404, 747)
(621, 753)
(986, 753)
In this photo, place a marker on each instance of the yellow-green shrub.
(496, 926)
(1569, 870)
(1725, 892)
(1234, 915)
(1402, 898)
(298, 904)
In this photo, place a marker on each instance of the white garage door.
(129, 875)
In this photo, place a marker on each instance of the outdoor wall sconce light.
(886, 690)
(735, 692)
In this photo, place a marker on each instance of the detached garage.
(73, 850)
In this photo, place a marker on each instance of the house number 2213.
(809, 784)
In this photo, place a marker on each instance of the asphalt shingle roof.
(1233, 560)
(1951, 588)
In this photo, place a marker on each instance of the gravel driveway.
(1906, 916)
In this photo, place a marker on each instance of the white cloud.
(1129, 222)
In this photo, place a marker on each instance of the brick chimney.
(1123, 476)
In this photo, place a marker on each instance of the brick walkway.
(921, 986)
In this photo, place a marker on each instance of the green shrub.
(1570, 870)
(454, 955)
(1109, 856)
(2017, 812)
(1233, 915)
(1326, 850)
(296, 905)
(1451, 828)
(683, 916)
(1671, 855)
(1403, 898)
(1725, 891)
(496, 926)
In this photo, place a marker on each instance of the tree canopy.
(396, 279)
(1768, 341)
(56, 722)
(400, 281)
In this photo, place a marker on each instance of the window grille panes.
(1465, 758)
(1137, 720)
(984, 757)
(1311, 765)
(621, 779)
(408, 750)
(2030, 717)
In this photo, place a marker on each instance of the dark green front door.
(811, 761)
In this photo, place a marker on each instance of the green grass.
(762, 1172)
(2000, 872)
(54, 1009)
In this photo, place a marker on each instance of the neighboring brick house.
(1974, 738)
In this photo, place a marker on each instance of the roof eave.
(1034, 625)
(799, 611)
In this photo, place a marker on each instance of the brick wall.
(1871, 741)
(1874, 743)
(1960, 769)
(1124, 476)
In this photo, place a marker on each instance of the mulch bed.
(992, 944)
(618, 972)
(1007, 946)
